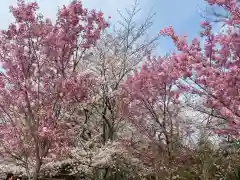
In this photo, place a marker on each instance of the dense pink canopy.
(40, 85)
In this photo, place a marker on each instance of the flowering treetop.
(213, 72)
(40, 84)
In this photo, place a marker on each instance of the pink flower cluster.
(214, 71)
(40, 82)
(211, 71)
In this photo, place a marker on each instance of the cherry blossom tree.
(67, 88)
(116, 55)
(212, 71)
(151, 106)
(40, 86)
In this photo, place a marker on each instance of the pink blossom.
(40, 83)
(214, 71)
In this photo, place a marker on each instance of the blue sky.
(183, 15)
